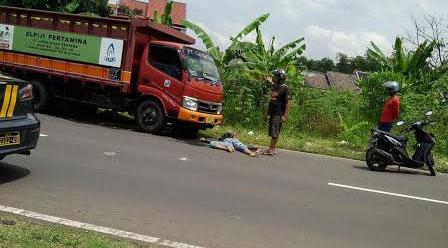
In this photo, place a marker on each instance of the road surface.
(182, 191)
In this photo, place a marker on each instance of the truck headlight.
(190, 103)
(26, 93)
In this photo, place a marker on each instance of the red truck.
(124, 64)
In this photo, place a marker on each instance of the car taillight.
(26, 93)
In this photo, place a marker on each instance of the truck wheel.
(150, 117)
(41, 94)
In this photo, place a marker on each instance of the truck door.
(164, 71)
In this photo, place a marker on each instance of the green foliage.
(413, 64)
(374, 95)
(345, 64)
(124, 10)
(98, 7)
(166, 17)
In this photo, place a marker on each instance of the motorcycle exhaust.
(384, 155)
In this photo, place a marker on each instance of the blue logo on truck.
(110, 57)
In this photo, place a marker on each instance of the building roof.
(133, 4)
(331, 80)
(316, 80)
(342, 81)
(178, 13)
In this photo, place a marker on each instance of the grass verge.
(16, 233)
(307, 143)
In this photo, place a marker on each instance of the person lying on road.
(231, 144)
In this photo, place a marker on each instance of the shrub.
(374, 95)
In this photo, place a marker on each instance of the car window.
(166, 60)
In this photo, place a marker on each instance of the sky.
(329, 26)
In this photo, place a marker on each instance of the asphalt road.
(142, 183)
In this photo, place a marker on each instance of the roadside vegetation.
(330, 122)
(20, 234)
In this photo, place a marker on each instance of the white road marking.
(388, 193)
(100, 229)
(43, 135)
(184, 159)
(110, 153)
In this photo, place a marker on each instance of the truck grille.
(209, 107)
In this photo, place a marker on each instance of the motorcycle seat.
(398, 138)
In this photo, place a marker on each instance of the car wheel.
(150, 117)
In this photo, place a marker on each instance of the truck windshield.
(201, 65)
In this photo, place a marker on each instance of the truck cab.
(186, 83)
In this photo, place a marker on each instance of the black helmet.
(280, 74)
(392, 86)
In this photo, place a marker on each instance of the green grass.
(21, 234)
(307, 143)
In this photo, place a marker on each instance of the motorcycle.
(386, 149)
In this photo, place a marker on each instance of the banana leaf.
(166, 17)
(282, 51)
(156, 17)
(252, 26)
(200, 33)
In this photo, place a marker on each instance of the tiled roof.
(316, 80)
(133, 4)
(342, 81)
(178, 12)
(334, 80)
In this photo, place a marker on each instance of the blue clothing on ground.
(236, 144)
(215, 144)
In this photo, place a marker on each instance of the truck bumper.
(200, 118)
(29, 129)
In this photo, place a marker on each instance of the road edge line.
(95, 228)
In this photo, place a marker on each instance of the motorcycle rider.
(391, 110)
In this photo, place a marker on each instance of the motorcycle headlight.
(26, 93)
(190, 103)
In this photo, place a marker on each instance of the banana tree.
(412, 64)
(258, 62)
(223, 58)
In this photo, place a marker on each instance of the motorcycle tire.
(431, 164)
(371, 163)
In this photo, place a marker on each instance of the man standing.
(391, 110)
(278, 108)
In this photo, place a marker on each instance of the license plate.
(9, 139)
(210, 120)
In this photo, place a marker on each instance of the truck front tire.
(150, 116)
(41, 94)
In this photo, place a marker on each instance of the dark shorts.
(275, 125)
(385, 127)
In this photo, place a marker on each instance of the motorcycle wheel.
(431, 164)
(372, 161)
